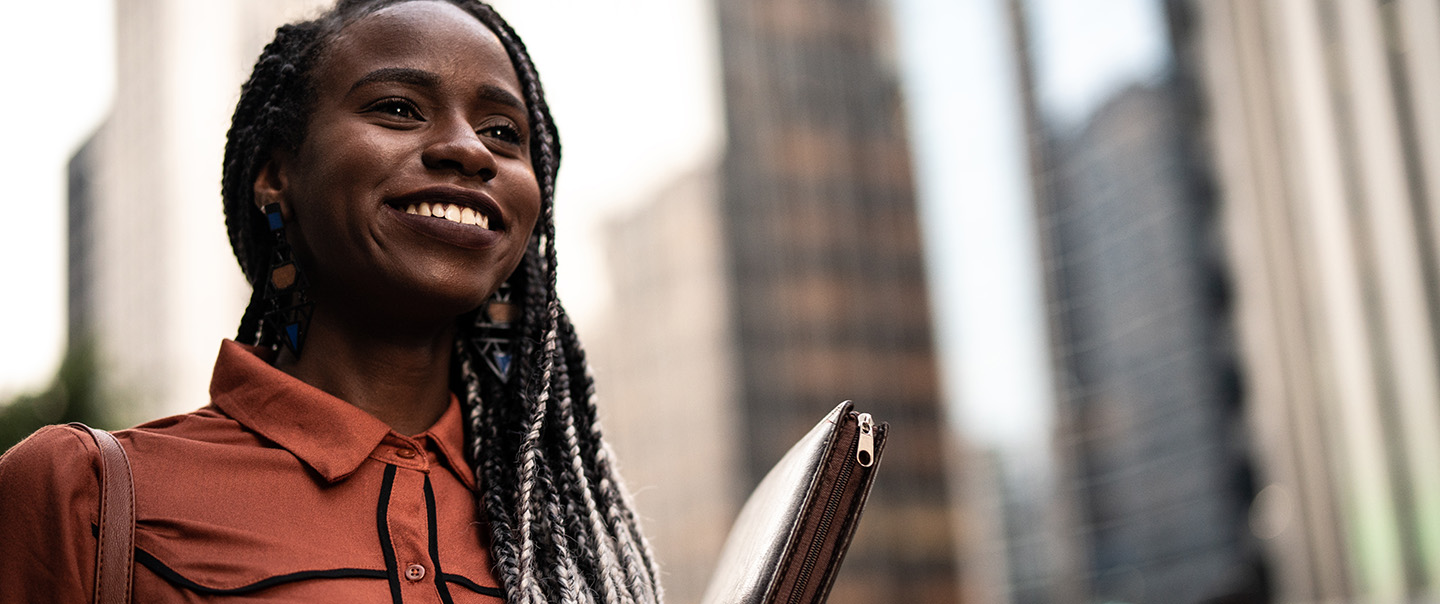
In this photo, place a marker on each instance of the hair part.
(563, 529)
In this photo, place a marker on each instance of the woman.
(388, 187)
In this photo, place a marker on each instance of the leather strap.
(115, 551)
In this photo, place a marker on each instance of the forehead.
(431, 35)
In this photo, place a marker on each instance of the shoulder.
(58, 467)
(49, 500)
(50, 466)
(199, 437)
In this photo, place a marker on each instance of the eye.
(395, 108)
(504, 132)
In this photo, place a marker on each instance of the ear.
(270, 182)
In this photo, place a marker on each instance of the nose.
(457, 147)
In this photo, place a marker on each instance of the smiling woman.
(406, 411)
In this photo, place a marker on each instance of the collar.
(330, 435)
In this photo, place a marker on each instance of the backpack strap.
(115, 550)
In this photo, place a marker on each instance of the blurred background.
(1147, 290)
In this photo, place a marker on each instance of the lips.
(458, 216)
(450, 203)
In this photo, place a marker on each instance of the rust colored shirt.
(275, 492)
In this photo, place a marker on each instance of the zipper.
(865, 450)
(832, 504)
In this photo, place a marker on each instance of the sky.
(56, 89)
(972, 178)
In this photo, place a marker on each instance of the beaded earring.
(290, 309)
(495, 331)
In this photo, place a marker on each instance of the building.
(826, 279)
(154, 285)
(1156, 478)
(752, 297)
(1154, 437)
(1325, 122)
(664, 359)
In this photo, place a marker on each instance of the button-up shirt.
(275, 492)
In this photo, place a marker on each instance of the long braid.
(530, 467)
(574, 519)
(482, 430)
(562, 527)
(573, 473)
(569, 580)
(640, 565)
(270, 114)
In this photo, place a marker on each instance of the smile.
(451, 212)
(454, 204)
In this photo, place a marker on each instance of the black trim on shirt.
(165, 572)
(392, 568)
(173, 576)
(473, 586)
(435, 543)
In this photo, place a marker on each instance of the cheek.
(341, 174)
(527, 191)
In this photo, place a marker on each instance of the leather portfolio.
(791, 535)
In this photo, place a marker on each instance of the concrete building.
(1325, 120)
(664, 359)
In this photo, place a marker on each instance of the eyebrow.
(401, 75)
(496, 94)
(420, 77)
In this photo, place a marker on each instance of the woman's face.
(417, 108)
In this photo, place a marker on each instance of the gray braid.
(640, 559)
(574, 474)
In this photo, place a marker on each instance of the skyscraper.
(752, 297)
(826, 280)
(1157, 479)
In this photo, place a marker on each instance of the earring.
(290, 309)
(495, 330)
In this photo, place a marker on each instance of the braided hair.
(563, 529)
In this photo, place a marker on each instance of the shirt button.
(415, 572)
(407, 454)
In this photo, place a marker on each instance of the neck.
(400, 377)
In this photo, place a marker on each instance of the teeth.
(451, 212)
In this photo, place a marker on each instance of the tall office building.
(826, 283)
(153, 283)
(1325, 118)
(751, 298)
(1156, 479)
(1161, 482)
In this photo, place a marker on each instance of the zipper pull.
(865, 450)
